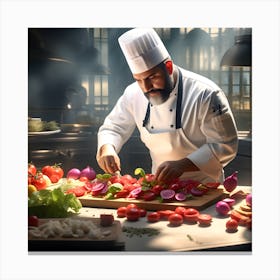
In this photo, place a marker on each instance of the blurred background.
(76, 75)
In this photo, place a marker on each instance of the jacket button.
(152, 127)
(170, 110)
(172, 125)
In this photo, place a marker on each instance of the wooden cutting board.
(197, 202)
(109, 241)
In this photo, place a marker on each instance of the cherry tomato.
(191, 215)
(121, 212)
(175, 219)
(38, 181)
(153, 217)
(131, 205)
(32, 169)
(231, 225)
(54, 172)
(164, 214)
(143, 212)
(180, 210)
(33, 221)
(204, 219)
(132, 214)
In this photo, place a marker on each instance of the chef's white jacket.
(207, 136)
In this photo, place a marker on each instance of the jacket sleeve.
(218, 126)
(118, 125)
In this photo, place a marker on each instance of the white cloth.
(208, 136)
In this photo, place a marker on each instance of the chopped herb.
(132, 231)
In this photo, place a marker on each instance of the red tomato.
(175, 219)
(33, 221)
(143, 212)
(164, 214)
(31, 172)
(180, 210)
(231, 225)
(54, 172)
(153, 217)
(38, 181)
(132, 214)
(131, 205)
(204, 219)
(121, 212)
(191, 215)
(32, 169)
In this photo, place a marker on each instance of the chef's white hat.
(143, 49)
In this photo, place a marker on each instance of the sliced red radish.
(180, 196)
(167, 194)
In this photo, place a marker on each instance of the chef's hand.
(169, 170)
(108, 160)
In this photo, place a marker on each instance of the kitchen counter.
(187, 237)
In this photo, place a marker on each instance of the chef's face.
(156, 84)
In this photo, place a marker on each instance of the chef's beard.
(158, 99)
(162, 94)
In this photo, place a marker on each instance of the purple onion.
(222, 208)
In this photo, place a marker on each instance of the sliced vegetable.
(181, 196)
(191, 215)
(204, 219)
(196, 191)
(167, 194)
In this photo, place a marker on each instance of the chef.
(184, 119)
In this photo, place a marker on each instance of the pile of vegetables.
(52, 204)
(145, 187)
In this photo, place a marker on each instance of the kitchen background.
(76, 75)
